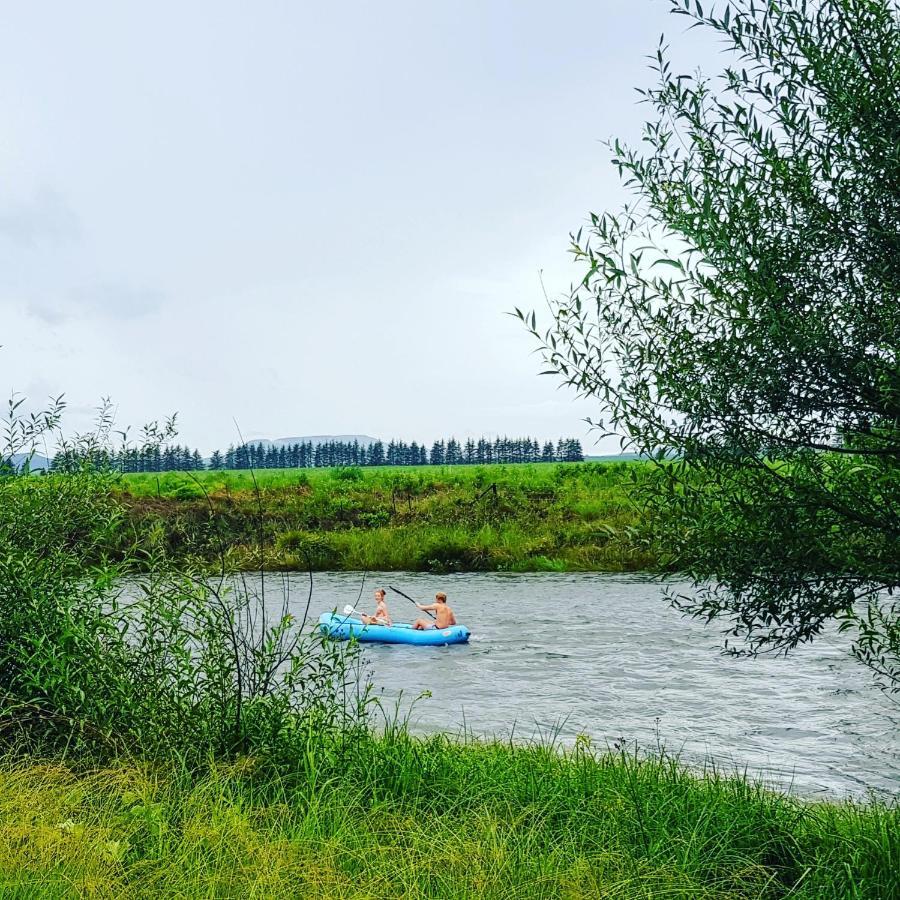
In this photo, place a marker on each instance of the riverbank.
(397, 816)
(525, 518)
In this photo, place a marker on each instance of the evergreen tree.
(347, 453)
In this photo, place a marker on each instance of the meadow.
(536, 517)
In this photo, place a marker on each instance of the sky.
(298, 218)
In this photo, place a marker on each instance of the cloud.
(44, 218)
(102, 300)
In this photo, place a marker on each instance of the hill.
(36, 462)
(316, 439)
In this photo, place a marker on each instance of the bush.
(95, 659)
(347, 473)
(187, 491)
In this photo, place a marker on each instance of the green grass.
(431, 518)
(531, 475)
(407, 817)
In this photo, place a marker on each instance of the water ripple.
(605, 656)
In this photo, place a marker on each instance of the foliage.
(741, 319)
(181, 662)
(21, 431)
(102, 656)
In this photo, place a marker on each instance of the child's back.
(444, 615)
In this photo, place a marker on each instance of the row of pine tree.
(306, 455)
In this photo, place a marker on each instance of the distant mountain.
(316, 439)
(37, 462)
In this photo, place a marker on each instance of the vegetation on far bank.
(537, 517)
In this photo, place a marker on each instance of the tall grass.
(407, 817)
(455, 518)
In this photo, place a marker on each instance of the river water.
(558, 655)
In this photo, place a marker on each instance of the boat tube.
(343, 628)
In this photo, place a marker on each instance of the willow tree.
(740, 321)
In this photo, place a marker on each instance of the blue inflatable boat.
(344, 627)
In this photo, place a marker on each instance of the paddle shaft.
(407, 597)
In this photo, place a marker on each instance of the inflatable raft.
(344, 627)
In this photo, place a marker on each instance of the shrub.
(173, 662)
(347, 473)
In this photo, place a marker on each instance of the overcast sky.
(309, 218)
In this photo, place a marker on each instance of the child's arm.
(431, 607)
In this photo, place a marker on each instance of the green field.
(395, 816)
(540, 517)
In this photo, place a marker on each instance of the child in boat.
(443, 615)
(382, 616)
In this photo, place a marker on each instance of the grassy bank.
(429, 818)
(432, 518)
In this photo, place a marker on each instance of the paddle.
(407, 597)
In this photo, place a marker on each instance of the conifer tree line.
(152, 458)
(305, 455)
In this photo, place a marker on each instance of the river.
(558, 655)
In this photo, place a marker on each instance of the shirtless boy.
(443, 615)
(382, 616)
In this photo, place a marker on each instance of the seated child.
(382, 616)
(443, 615)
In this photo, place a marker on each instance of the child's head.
(441, 597)
(379, 595)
